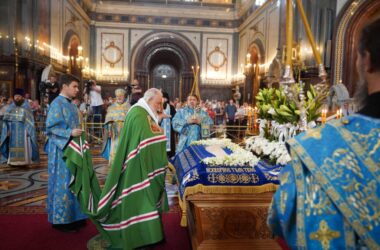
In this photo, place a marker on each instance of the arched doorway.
(73, 49)
(163, 60)
(256, 51)
(352, 18)
(165, 77)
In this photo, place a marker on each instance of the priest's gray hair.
(150, 93)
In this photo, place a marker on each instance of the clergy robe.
(329, 196)
(189, 132)
(128, 210)
(166, 124)
(62, 206)
(18, 142)
(114, 122)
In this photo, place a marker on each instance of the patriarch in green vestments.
(127, 211)
(329, 196)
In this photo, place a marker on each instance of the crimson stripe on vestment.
(75, 147)
(137, 187)
(131, 221)
(142, 144)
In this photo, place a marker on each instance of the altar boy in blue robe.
(62, 123)
(329, 196)
(18, 142)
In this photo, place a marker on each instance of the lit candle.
(80, 50)
(248, 58)
(324, 116)
(339, 114)
(255, 109)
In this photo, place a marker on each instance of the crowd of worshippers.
(221, 112)
(22, 114)
(21, 117)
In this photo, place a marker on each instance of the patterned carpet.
(23, 190)
(23, 193)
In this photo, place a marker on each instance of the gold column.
(288, 73)
(256, 82)
(317, 56)
(289, 32)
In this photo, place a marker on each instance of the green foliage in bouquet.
(275, 105)
(264, 102)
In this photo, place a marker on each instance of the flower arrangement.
(275, 151)
(238, 157)
(274, 104)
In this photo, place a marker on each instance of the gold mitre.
(120, 92)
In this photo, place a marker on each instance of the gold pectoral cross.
(324, 234)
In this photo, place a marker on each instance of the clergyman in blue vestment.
(166, 124)
(188, 123)
(18, 142)
(329, 196)
(62, 123)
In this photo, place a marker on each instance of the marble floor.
(23, 190)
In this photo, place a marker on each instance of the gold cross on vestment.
(324, 235)
(314, 133)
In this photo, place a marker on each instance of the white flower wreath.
(261, 146)
(238, 157)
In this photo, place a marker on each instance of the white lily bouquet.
(238, 157)
(275, 151)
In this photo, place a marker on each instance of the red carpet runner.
(34, 232)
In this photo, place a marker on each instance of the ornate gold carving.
(216, 58)
(324, 234)
(236, 223)
(110, 50)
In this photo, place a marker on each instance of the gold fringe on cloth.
(199, 188)
(171, 168)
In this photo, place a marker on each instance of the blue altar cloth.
(191, 171)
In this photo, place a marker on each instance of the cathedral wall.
(262, 27)
(67, 19)
(211, 39)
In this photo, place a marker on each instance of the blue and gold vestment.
(62, 205)
(329, 196)
(113, 124)
(18, 142)
(189, 132)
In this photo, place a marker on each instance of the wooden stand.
(229, 221)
